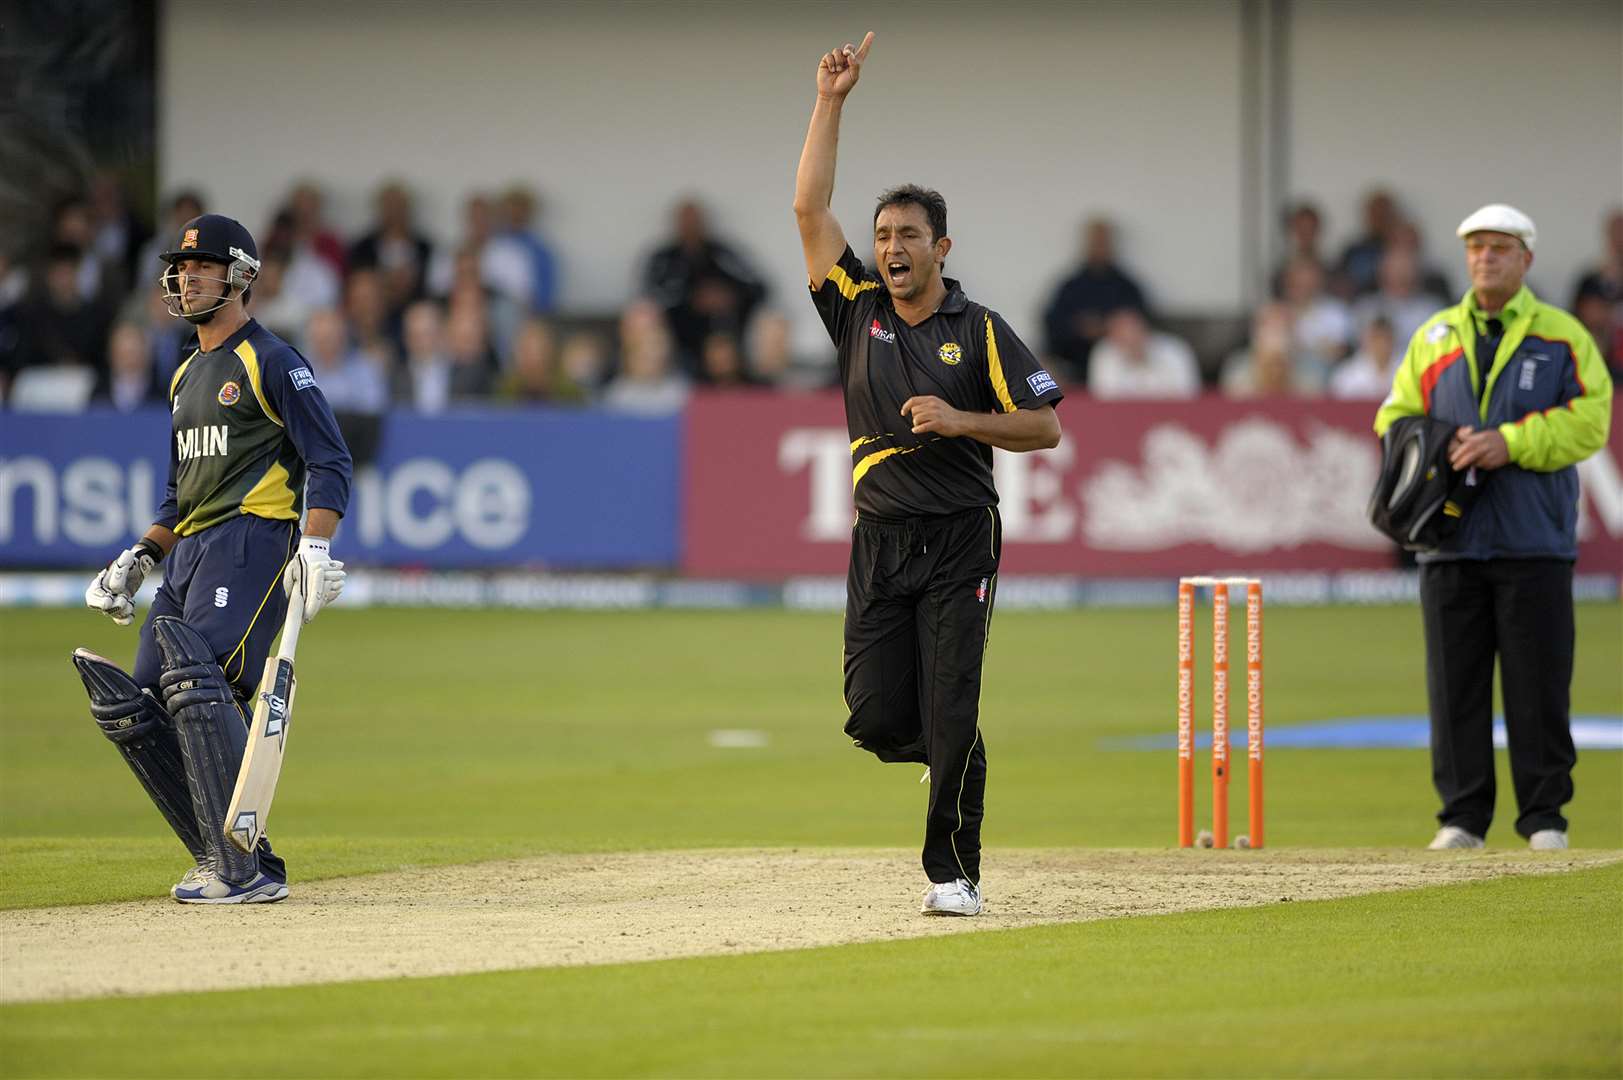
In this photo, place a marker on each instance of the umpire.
(932, 381)
(1530, 398)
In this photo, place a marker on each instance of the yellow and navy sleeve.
(1018, 380)
(290, 390)
(1567, 433)
(846, 292)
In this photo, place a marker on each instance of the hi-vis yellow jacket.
(1549, 395)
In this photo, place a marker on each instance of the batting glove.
(113, 591)
(321, 576)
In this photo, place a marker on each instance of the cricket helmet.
(216, 238)
(1419, 498)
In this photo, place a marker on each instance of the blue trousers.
(226, 583)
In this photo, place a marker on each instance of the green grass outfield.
(427, 737)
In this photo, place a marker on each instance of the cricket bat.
(267, 736)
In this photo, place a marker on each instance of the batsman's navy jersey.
(964, 354)
(252, 435)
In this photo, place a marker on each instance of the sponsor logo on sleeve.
(1041, 382)
(303, 378)
(229, 393)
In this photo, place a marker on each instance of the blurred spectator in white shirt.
(1367, 374)
(518, 213)
(351, 382)
(502, 263)
(130, 382)
(307, 277)
(1399, 299)
(423, 381)
(1322, 327)
(311, 233)
(648, 382)
(272, 305)
(1267, 366)
(1135, 361)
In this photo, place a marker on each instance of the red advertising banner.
(1141, 489)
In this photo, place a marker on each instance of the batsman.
(253, 449)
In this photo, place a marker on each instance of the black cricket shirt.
(964, 354)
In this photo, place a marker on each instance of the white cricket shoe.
(1548, 840)
(951, 898)
(209, 888)
(1452, 836)
(192, 879)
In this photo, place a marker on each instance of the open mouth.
(898, 273)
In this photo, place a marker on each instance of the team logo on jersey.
(950, 353)
(190, 239)
(877, 331)
(229, 393)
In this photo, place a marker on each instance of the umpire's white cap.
(1497, 217)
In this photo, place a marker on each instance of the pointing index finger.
(862, 50)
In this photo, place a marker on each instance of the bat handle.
(295, 618)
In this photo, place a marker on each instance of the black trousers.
(1521, 610)
(918, 608)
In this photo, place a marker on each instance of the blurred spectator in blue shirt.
(518, 212)
(1361, 259)
(1076, 314)
(131, 381)
(1399, 299)
(499, 263)
(703, 284)
(351, 381)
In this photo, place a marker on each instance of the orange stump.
(1186, 715)
(1253, 705)
(1220, 715)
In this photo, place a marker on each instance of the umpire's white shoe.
(1548, 840)
(1452, 836)
(951, 898)
(208, 888)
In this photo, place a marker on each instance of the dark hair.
(934, 206)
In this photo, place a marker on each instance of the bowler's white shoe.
(952, 898)
(1548, 840)
(1452, 836)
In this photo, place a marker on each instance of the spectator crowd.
(392, 319)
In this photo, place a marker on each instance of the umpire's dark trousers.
(918, 607)
(1521, 610)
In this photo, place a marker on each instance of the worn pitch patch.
(559, 910)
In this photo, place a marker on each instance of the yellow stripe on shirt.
(250, 362)
(181, 370)
(994, 364)
(848, 288)
(875, 458)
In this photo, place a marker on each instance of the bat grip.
(295, 617)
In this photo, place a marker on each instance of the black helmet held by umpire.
(214, 238)
(1419, 498)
